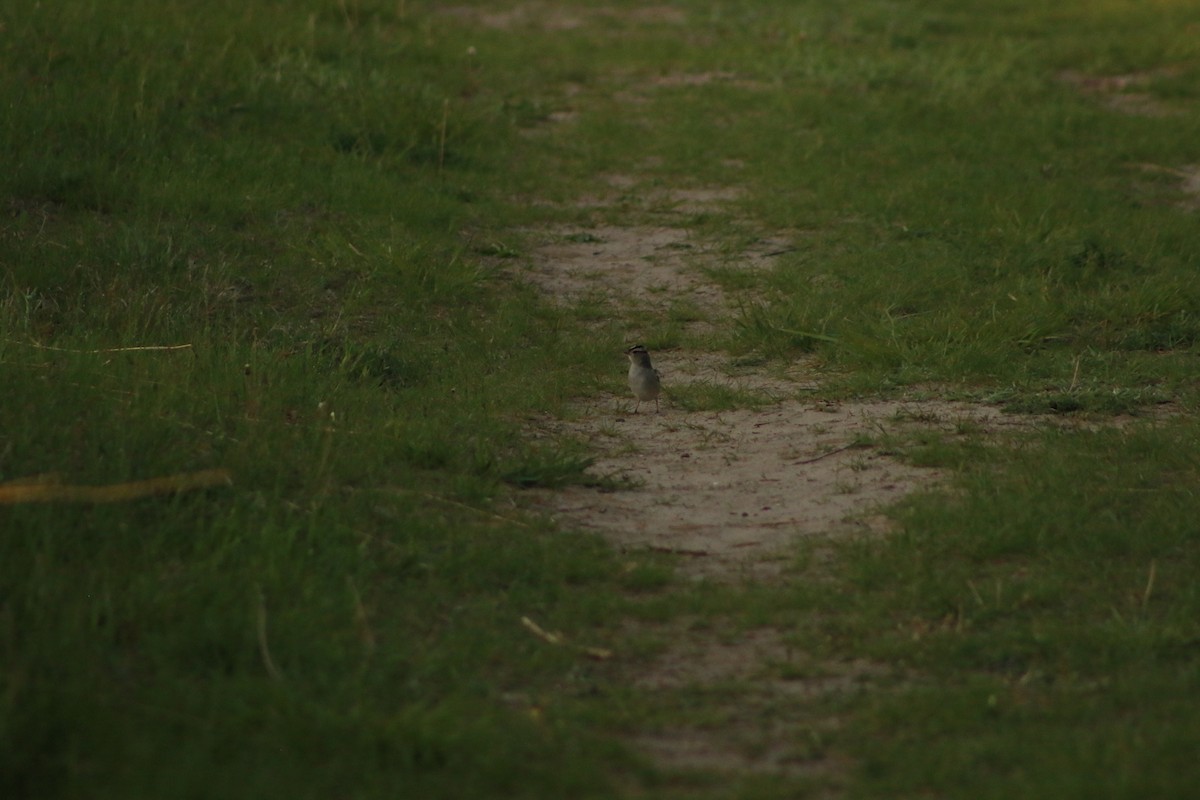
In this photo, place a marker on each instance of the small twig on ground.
(827, 455)
(598, 653)
(538, 631)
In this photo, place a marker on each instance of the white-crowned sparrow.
(643, 378)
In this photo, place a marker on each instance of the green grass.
(1048, 618)
(271, 187)
(318, 198)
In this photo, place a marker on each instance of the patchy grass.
(715, 397)
(1046, 614)
(313, 198)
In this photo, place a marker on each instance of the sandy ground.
(728, 491)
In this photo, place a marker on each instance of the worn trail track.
(727, 493)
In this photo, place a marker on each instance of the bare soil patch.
(759, 696)
(1124, 94)
(1184, 184)
(726, 492)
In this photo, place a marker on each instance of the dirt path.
(727, 492)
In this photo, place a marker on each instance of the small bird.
(643, 378)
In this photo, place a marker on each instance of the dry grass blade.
(261, 629)
(366, 634)
(598, 653)
(50, 489)
(136, 349)
(541, 633)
